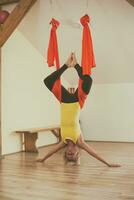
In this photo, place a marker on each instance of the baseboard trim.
(22, 151)
(90, 141)
(110, 141)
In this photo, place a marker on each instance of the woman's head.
(71, 152)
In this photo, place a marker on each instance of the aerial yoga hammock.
(87, 60)
(71, 135)
(70, 105)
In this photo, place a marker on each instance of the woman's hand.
(40, 160)
(114, 165)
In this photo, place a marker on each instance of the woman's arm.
(82, 144)
(55, 148)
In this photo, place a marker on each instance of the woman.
(71, 102)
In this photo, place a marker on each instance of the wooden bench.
(29, 136)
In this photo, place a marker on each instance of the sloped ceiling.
(131, 2)
(112, 27)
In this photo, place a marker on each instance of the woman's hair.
(72, 161)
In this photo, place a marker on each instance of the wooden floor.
(21, 178)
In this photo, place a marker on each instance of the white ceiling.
(112, 27)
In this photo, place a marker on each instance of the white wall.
(26, 102)
(108, 114)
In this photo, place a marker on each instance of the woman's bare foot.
(74, 60)
(69, 60)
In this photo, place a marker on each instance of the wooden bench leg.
(57, 134)
(30, 142)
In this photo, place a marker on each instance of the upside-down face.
(71, 152)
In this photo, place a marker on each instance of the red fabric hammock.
(53, 55)
(88, 60)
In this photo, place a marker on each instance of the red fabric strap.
(81, 95)
(53, 55)
(88, 60)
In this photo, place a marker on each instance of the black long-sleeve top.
(81, 92)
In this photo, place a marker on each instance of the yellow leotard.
(70, 127)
